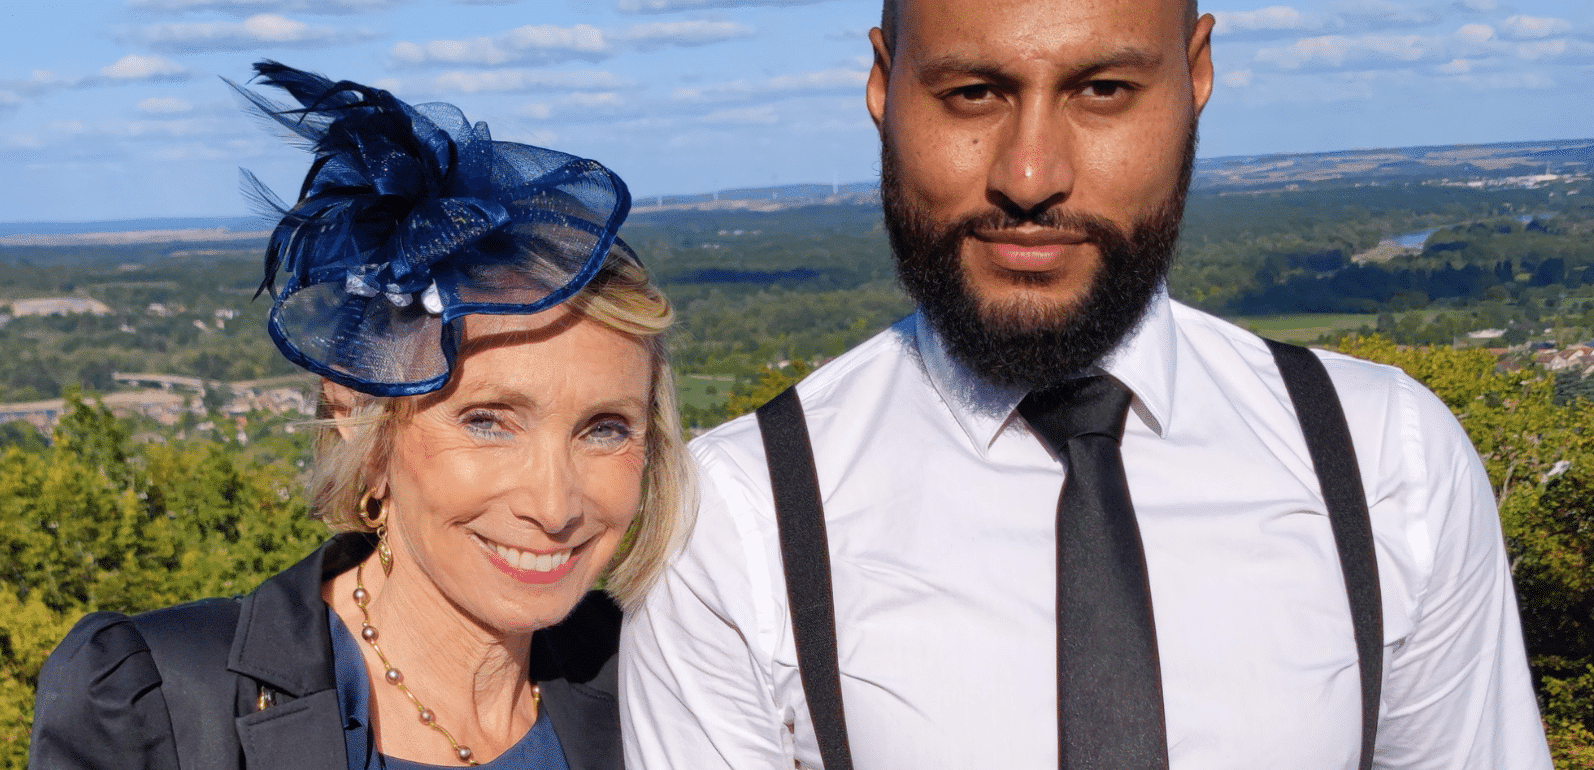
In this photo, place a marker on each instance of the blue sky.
(113, 109)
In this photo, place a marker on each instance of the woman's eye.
(610, 432)
(483, 422)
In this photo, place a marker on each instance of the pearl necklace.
(396, 678)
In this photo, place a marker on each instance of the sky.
(116, 109)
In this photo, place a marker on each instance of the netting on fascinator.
(410, 218)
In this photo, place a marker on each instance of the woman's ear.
(342, 401)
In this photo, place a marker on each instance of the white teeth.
(526, 560)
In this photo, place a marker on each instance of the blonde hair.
(620, 297)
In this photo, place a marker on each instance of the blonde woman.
(498, 415)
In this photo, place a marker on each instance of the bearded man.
(1035, 157)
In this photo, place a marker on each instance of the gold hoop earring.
(377, 523)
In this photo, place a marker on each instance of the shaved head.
(888, 19)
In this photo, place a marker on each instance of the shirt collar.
(1144, 362)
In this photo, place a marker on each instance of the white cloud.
(761, 116)
(781, 85)
(1514, 81)
(164, 105)
(547, 44)
(191, 151)
(1456, 67)
(1533, 27)
(1380, 12)
(580, 105)
(681, 33)
(1273, 17)
(242, 7)
(1563, 48)
(135, 67)
(670, 6)
(1236, 79)
(258, 31)
(1336, 50)
(1475, 33)
(532, 42)
(526, 80)
(132, 68)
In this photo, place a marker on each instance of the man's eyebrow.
(954, 65)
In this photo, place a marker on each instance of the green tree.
(1540, 460)
(95, 522)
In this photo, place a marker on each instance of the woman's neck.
(475, 682)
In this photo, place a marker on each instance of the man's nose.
(1033, 167)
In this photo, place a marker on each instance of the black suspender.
(805, 555)
(800, 517)
(1328, 442)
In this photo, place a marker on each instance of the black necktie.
(1109, 684)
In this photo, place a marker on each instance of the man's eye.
(974, 93)
(1104, 89)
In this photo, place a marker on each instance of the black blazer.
(102, 702)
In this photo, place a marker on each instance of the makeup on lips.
(528, 566)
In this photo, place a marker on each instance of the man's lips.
(1029, 251)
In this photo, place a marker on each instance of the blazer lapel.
(587, 721)
(282, 642)
(576, 666)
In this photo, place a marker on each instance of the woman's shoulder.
(103, 648)
(99, 702)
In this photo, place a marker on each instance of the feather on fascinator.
(411, 218)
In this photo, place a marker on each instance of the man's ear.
(879, 79)
(342, 400)
(1200, 58)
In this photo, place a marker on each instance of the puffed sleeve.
(99, 703)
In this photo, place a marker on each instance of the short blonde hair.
(620, 297)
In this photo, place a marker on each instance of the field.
(1302, 328)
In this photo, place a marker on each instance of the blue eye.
(609, 432)
(483, 423)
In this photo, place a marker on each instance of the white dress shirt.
(941, 505)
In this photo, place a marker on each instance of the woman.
(497, 416)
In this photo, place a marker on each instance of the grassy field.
(703, 390)
(1305, 327)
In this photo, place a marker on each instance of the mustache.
(1097, 229)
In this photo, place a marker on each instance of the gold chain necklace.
(395, 678)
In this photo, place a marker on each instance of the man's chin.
(1026, 309)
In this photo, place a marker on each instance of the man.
(1035, 156)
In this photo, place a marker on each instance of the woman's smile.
(529, 566)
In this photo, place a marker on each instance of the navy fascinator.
(409, 219)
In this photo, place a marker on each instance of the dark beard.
(1028, 345)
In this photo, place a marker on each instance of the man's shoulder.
(1206, 334)
(854, 375)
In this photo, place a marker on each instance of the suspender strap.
(800, 517)
(1328, 441)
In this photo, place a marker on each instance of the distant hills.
(1457, 163)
